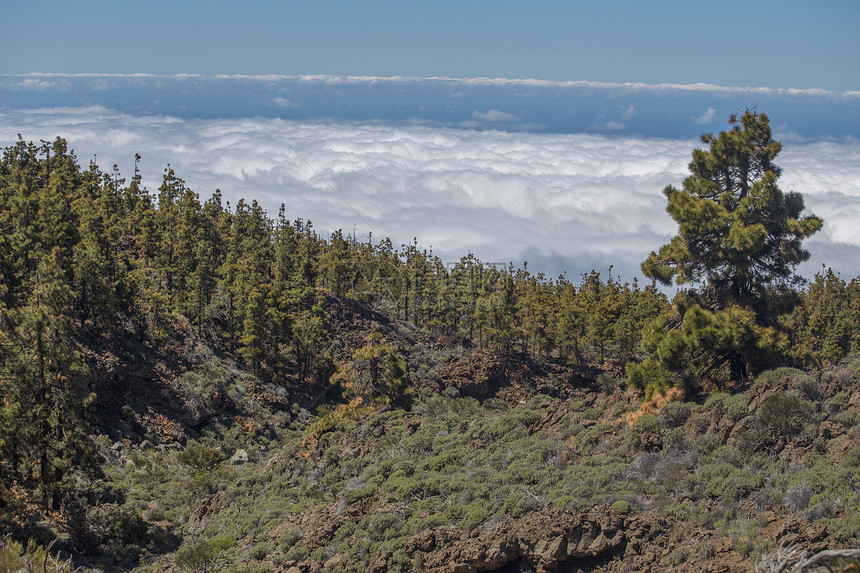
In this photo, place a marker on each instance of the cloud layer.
(536, 106)
(41, 80)
(566, 203)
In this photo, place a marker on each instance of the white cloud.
(601, 124)
(622, 87)
(33, 84)
(494, 115)
(43, 85)
(285, 103)
(562, 202)
(627, 113)
(614, 125)
(707, 117)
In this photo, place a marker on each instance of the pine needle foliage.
(739, 240)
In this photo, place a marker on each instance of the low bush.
(260, 551)
(736, 405)
(808, 387)
(203, 555)
(200, 457)
(785, 414)
(776, 375)
(797, 497)
(16, 557)
(674, 414)
(848, 418)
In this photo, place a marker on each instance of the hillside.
(505, 465)
(540, 470)
(191, 386)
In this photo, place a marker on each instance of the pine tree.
(377, 372)
(310, 337)
(337, 264)
(254, 331)
(43, 369)
(822, 324)
(569, 322)
(739, 235)
(738, 242)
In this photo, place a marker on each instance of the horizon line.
(474, 81)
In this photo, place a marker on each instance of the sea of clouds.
(565, 202)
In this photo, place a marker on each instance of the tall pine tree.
(738, 243)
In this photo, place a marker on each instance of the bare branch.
(789, 558)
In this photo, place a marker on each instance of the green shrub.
(727, 482)
(743, 544)
(621, 507)
(848, 418)
(593, 413)
(771, 376)
(514, 422)
(679, 556)
(203, 555)
(474, 515)
(513, 503)
(299, 553)
(852, 363)
(645, 423)
(200, 457)
(674, 414)
(707, 443)
(749, 438)
(419, 524)
(203, 393)
(608, 384)
(260, 551)
(16, 557)
(808, 387)
(383, 527)
(736, 405)
(123, 530)
(852, 458)
(838, 402)
(366, 489)
(785, 414)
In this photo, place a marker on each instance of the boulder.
(239, 457)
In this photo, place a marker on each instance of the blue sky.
(540, 131)
(786, 43)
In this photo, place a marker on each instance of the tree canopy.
(739, 241)
(738, 233)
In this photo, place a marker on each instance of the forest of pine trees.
(84, 253)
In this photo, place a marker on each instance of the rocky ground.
(502, 464)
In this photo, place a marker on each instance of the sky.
(541, 131)
(772, 43)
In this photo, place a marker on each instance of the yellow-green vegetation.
(192, 383)
(204, 555)
(739, 240)
(17, 557)
(455, 461)
(377, 373)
